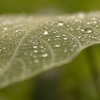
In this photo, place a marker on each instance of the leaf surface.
(30, 45)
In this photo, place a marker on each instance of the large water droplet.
(36, 61)
(88, 29)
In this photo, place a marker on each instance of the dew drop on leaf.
(45, 33)
(57, 45)
(65, 50)
(65, 38)
(60, 23)
(44, 55)
(5, 28)
(36, 61)
(35, 51)
(34, 46)
(88, 29)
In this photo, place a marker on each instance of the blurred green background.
(70, 82)
(34, 6)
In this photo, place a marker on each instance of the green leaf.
(30, 45)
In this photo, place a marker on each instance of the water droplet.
(95, 22)
(65, 38)
(58, 36)
(57, 45)
(5, 28)
(74, 46)
(41, 46)
(0, 69)
(93, 18)
(4, 48)
(35, 51)
(65, 50)
(31, 37)
(82, 30)
(60, 23)
(88, 29)
(45, 33)
(2, 37)
(72, 49)
(81, 15)
(44, 55)
(36, 61)
(71, 29)
(48, 39)
(25, 44)
(97, 25)
(16, 30)
(34, 46)
(79, 37)
(88, 23)
(31, 54)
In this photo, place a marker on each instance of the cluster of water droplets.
(84, 27)
(62, 44)
(12, 30)
(27, 48)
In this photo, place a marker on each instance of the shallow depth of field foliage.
(77, 80)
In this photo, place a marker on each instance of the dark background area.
(35, 6)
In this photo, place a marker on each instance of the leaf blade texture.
(30, 45)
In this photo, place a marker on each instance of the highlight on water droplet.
(5, 28)
(45, 33)
(44, 55)
(65, 38)
(57, 45)
(60, 23)
(35, 51)
(88, 29)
